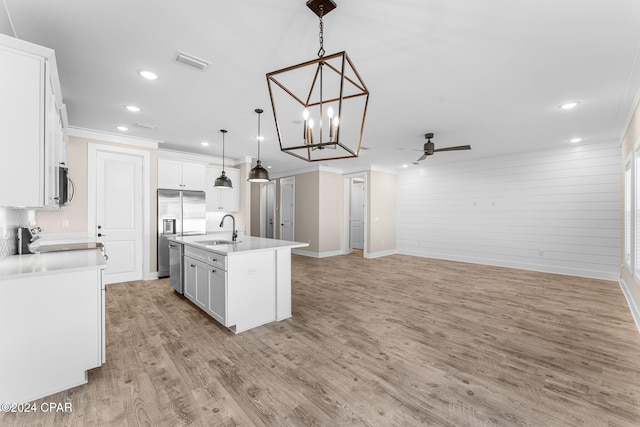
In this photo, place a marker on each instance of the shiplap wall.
(556, 211)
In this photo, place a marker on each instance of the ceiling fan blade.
(424, 156)
(459, 147)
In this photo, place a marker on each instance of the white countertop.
(16, 266)
(244, 244)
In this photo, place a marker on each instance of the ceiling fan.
(429, 148)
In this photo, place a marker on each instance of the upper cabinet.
(33, 133)
(223, 199)
(178, 175)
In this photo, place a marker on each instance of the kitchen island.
(240, 284)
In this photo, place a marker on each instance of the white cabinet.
(206, 282)
(178, 175)
(53, 330)
(223, 200)
(218, 295)
(33, 128)
(190, 272)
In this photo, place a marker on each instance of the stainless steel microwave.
(66, 187)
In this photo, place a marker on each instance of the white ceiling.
(488, 73)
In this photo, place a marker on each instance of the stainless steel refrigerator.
(180, 213)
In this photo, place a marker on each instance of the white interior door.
(287, 210)
(357, 214)
(119, 211)
(270, 220)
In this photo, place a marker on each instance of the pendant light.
(223, 180)
(258, 173)
(328, 94)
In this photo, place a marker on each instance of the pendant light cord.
(258, 138)
(223, 132)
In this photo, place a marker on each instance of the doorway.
(268, 210)
(355, 213)
(287, 208)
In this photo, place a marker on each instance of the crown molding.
(112, 137)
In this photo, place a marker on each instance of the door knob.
(101, 235)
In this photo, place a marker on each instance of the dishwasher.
(175, 266)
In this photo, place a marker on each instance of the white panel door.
(287, 213)
(270, 210)
(357, 215)
(119, 214)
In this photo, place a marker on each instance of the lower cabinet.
(53, 332)
(206, 284)
(218, 295)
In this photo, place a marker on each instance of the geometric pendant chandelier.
(319, 106)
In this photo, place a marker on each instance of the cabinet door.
(223, 200)
(193, 176)
(202, 285)
(218, 295)
(169, 174)
(51, 196)
(22, 112)
(230, 198)
(212, 194)
(190, 272)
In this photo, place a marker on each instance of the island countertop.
(243, 245)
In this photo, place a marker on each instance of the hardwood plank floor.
(392, 341)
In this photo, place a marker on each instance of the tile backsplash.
(10, 220)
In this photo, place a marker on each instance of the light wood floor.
(386, 342)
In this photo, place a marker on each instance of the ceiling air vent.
(192, 61)
(147, 125)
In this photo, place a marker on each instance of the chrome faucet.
(234, 236)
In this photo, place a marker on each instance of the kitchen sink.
(217, 242)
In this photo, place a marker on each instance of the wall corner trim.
(635, 312)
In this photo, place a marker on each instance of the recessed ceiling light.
(575, 140)
(268, 167)
(405, 165)
(132, 108)
(149, 75)
(569, 105)
(204, 143)
(122, 128)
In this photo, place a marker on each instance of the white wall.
(556, 211)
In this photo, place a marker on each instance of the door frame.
(293, 202)
(346, 237)
(92, 153)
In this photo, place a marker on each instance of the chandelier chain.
(321, 51)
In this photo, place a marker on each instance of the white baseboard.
(635, 313)
(370, 255)
(316, 254)
(593, 274)
(153, 275)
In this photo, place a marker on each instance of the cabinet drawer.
(213, 259)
